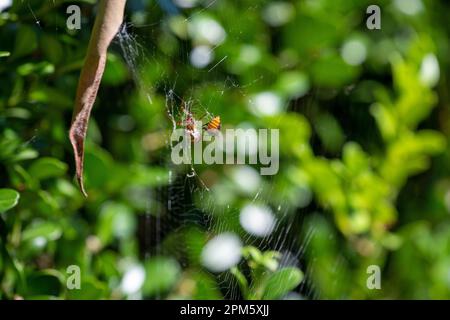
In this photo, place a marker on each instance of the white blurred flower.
(278, 13)
(39, 242)
(93, 243)
(266, 103)
(247, 179)
(222, 252)
(257, 220)
(293, 296)
(133, 279)
(354, 52)
(186, 3)
(5, 4)
(410, 7)
(201, 56)
(429, 70)
(125, 123)
(205, 29)
(249, 54)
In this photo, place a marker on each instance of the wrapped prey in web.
(107, 24)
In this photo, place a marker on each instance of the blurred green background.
(364, 160)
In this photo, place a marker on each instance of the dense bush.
(364, 162)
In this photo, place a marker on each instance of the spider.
(190, 124)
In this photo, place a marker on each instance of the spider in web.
(189, 122)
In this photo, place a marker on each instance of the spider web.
(186, 200)
(189, 201)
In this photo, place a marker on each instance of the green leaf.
(4, 54)
(8, 199)
(25, 154)
(115, 220)
(50, 95)
(90, 289)
(329, 131)
(252, 253)
(354, 157)
(26, 41)
(20, 177)
(293, 84)
(52, 48)
(98, 167)
(44, 283)
(41, 68)
(281, 282)
(332, 71)
(206, 287)
(161, 275)
(242, 281)
(270, 260)
(116, 71)
(48, 230)
(44, 168)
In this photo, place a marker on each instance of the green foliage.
(268, 280)
(364, 152)
(164, 273)
(281, 282)
(8, 199)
